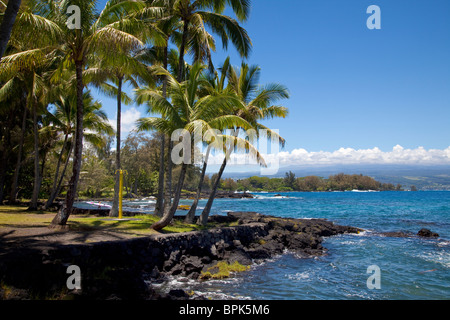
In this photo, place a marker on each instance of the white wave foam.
(440, 257)
(444, 243)
(300, 276)
(259, 197)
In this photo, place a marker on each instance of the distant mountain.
(435, 177)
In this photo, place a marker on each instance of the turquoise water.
(410, 268)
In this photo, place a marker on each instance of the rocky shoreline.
(126, 269)
(123, 269)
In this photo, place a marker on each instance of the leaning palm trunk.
(168, 215)
(37, 179)
(115, 206)
(15, 181)
(65, 211)
(191, 214)
(7, 24)
(56, 178)
(63, 174)
(205, 213)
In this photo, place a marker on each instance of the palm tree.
(189, 17)
(127, 65)
(258, 102)
(168, 25)
(99, 33)
(186, 109)
(119, 69)
(208, 13)
(214, 85)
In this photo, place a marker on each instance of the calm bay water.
(411, 268)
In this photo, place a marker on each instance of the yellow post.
(120, 193)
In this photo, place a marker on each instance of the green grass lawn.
(19, 217)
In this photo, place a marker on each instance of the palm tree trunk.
(191, 214)
(4, 159)
(182, 49)
(15, 181)
(205, 213)
(63, 174)
(115, 206)
(55, 179)
(7, 24)
(63, 214)
(159, 206)
(168, 193)
(2, 178)
(168, 215)
(37, 179)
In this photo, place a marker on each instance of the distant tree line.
(338, 182)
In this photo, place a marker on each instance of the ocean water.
(410, 268)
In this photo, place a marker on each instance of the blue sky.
(351, 87)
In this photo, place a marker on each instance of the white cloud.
(398, 155)
(128, 121)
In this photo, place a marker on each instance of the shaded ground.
(19, 228)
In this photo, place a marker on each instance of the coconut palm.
(98, 33)
(186, 110)
(258, 102)
(168, 26)
(184, 23)
(213, 84)
(208, 13)
(126, 66)
(111, 73)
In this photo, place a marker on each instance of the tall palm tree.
(186, 109)
(127, 66)
(184, 22)
(111, 74)
(208, 13)
(213, 84)
(258, 102)
(168, 26)
(98, 33)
